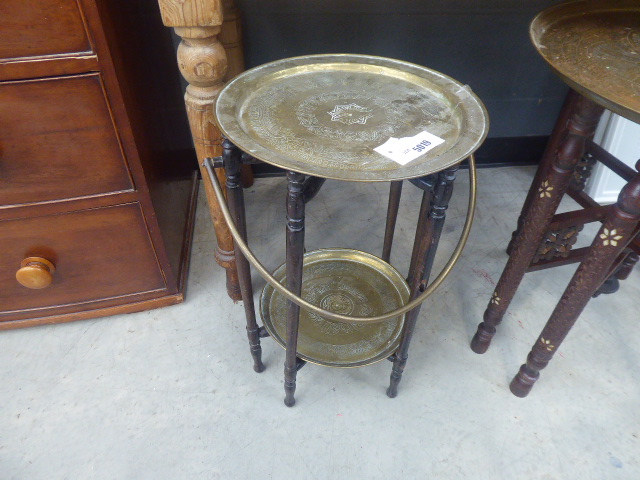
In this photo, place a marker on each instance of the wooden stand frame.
(607, 255)
(437, 193)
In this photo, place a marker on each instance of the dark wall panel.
(484, 44)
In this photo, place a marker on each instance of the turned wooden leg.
(295, 252)
(435, 199)
(549, 192)
(615, 233)
(395, 191)
(231, 155)
(203, 63)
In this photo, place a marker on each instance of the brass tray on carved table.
(323, 115)
(343, 281)
(346, 117)
(594, 46)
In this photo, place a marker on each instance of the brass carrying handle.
(455, 256)
(35, 273)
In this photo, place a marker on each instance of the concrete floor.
(170, 393)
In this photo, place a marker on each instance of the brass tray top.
(594, 46)
(343, 281)
(323, 115)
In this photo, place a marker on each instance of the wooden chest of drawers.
(96, 177)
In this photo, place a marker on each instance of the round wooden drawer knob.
(35, 273)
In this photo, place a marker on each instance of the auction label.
(403, 150)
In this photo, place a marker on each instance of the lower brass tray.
(343, 281)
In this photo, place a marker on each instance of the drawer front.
(58, 141)
(97, 254)
(41, 27)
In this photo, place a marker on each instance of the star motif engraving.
(350, 114)
(610, 237)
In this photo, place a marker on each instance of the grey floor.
(170, 393)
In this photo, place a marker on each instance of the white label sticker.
(403, 150)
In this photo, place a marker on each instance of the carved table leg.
(231, 155)
(395, 191)
(295, 252)
(550, 190)
(559, 131)
(203, 63)
(614, 235)
(435, 199)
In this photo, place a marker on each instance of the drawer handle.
(35, 273)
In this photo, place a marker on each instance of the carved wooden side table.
(352, 118)
(595, 47)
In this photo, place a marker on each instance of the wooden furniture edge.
(153, 303)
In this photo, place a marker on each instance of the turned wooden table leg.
(395, 192)
(550, 190)
(615, 233)
(232, 164)
(295, 253)
(203, 63)
(435, 199)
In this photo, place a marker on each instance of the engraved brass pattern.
(350, 114)
(343, 281)
(323, 115)
(594, 46)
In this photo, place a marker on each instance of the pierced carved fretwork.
(582, 172)
(557, 244)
